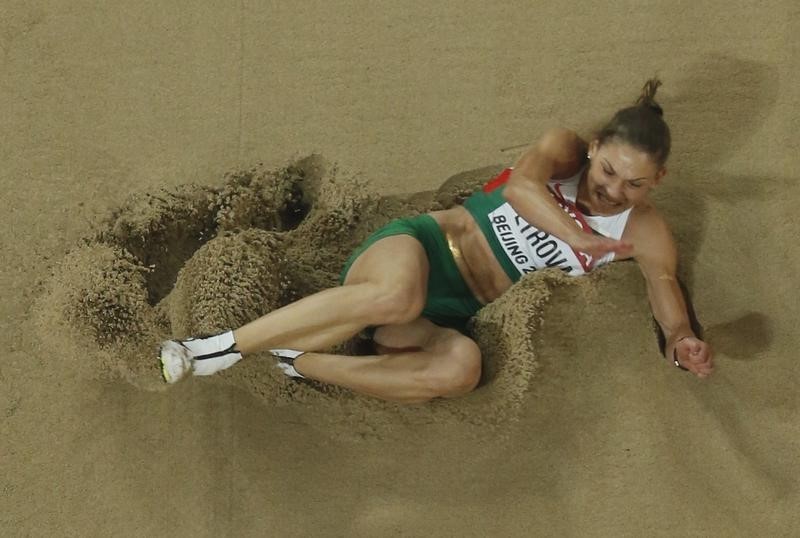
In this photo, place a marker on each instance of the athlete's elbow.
(518, 188)
(515, 187)
(510, 192)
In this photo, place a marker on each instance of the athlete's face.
(619, 176)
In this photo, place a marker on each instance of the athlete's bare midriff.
(472, 253)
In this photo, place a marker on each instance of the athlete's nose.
(614, 190)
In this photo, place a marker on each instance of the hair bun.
(648, 96)
(655, 107)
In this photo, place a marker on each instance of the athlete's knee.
(396, 304)
(457, 371)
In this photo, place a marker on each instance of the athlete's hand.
(695, 355)
(598, 246)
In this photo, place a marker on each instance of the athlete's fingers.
(704, 365)
(704, 369)
(704, 354)
(697, 351)
(598, 246)
(701, 363)
(700, 367)
(618, 247)
(698, 358)
(619, 244)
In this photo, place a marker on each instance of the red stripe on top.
(567, 204)
(498, 181)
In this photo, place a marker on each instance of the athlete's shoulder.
(648, 231)
(645, 217)
(561, 140)
(563, 147)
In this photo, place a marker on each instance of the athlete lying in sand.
(566, 203)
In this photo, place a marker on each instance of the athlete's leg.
(385, 285)
(447, 364)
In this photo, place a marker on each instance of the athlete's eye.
(607, 171)
(635, 185)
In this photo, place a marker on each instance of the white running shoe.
(200, 356)
(176, 361)
(286, 359)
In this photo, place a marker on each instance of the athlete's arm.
(655, 252)
(559, 153)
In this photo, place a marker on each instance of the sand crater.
(194, 259)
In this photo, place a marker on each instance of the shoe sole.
(175, 361)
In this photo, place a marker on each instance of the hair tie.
(655, 107)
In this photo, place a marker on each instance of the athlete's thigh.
(416, 334)
(455, 359)
(398, 261)
(425, 335)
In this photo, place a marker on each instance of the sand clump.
(96, 305)
(230, 280)
(196, 260)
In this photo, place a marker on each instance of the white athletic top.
(527, 248)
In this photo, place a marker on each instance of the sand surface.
(159, 158)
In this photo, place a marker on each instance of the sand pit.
(136, 112)
(198, 260)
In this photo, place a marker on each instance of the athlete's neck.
(582, 196)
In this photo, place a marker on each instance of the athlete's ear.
(594, 145)
(660, 175)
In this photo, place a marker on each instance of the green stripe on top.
(479, 205)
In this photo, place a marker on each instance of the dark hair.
(641, 125)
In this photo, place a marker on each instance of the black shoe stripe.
(231, 349)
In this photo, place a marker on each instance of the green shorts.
(449, 302)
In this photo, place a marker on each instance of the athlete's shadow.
(744, 338)
(720, 103)
(717, 108)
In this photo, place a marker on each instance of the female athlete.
(566, 203)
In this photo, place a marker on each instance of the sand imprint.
(192, 259)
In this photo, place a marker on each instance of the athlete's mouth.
(606, 200)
